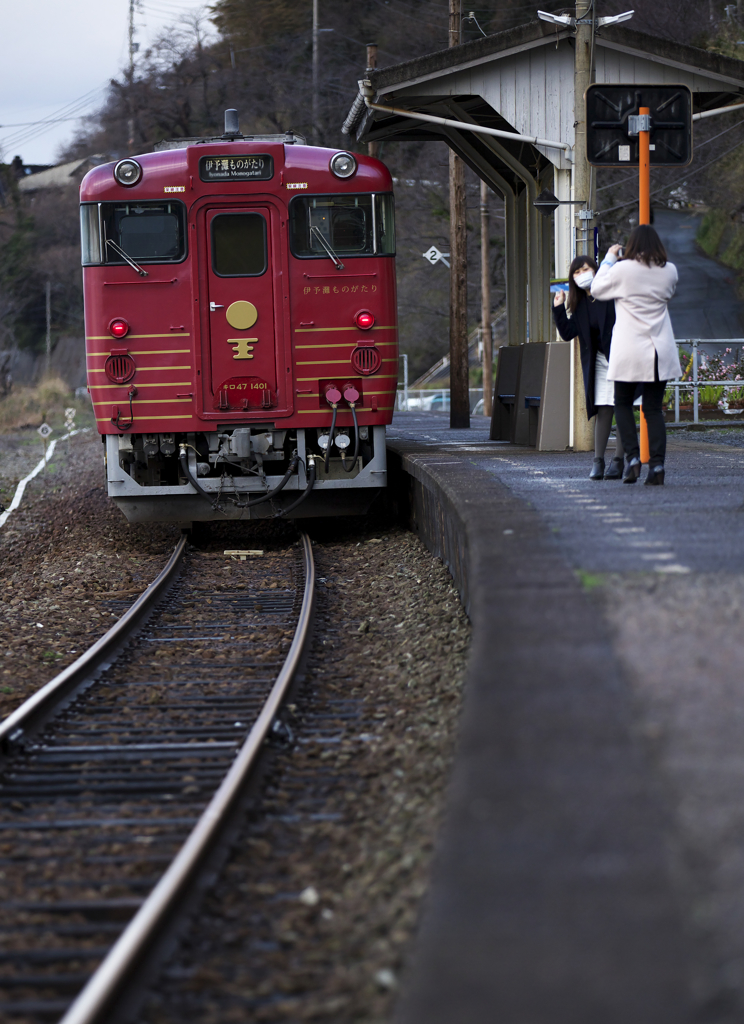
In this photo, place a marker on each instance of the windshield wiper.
(118, 249)
(314, 230)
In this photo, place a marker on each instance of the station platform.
(591, 862)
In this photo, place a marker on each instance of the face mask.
(584, 279)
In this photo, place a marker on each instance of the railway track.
(116, 795)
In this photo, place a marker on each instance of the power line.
(700, 145)
(64, 113)
(26, 124)
(632, 202)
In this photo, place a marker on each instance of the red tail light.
(119, 327)
(364, 320)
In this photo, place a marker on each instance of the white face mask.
(584, 279)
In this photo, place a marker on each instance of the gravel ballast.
(313, 916)
(69, 565)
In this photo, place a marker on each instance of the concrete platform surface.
(591, 864)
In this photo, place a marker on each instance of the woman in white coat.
(643, 350)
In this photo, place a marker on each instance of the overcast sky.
(58, 53)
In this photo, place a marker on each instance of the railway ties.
(96, 806)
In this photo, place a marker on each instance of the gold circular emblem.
(241, 315)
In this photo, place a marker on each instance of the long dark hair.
(645, 245)
(574, 292)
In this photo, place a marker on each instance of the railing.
(431, 399)
(694, 384)
(438, 399)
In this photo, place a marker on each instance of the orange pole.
(644, 217)
(644, 174)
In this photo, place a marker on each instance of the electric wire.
(64, 113)
(291, 469)
(662, 188)
(310, 484)
(183, 458)
(355, 456)
(327, 457)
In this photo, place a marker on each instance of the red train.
(240, 321)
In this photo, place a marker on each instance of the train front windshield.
(350, 225)
(147, 232)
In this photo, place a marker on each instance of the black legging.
(653, 397)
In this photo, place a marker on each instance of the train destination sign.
(237, 167)
(612, 124)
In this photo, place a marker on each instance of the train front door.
(245, 334)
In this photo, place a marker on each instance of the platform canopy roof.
(522, 80)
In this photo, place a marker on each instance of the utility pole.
(48, 361)
(373, 148)
(459, 370)
(486, 303)
(316, 133)
(583, 429)
(132, 50)
(582, 80)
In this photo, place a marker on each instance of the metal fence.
(694, 383)
(432, 399)
(438, 399)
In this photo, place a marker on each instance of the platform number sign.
(612, 128)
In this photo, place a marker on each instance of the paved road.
(706, 304)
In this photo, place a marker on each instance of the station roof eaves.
(727, 70)
(60, 175)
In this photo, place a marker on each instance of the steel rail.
(94, 1004)
(34, 710)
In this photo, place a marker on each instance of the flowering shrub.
(712, 368)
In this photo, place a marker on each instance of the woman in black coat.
(592, 320)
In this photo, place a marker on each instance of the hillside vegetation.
(256, 56)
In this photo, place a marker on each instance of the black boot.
(632, 470)
(655, 475)
(598, 468)
(615, 470)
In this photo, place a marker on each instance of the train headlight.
(323, 440)
(128, 172)
(342, 441)
(343, 165)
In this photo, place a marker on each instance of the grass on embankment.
(723, 238)
(46, 401)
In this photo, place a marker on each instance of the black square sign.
(610, 137)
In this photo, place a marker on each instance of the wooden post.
(315, 102)
(644, 217)
(459, 369)
(486, 303)
(48, 360)
(458, 338)
(130, 122)
(583, 429)
(373, 148)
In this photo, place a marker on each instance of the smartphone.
(621, 253)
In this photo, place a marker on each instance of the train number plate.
(238, 394)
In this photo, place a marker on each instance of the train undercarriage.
(246, 472)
